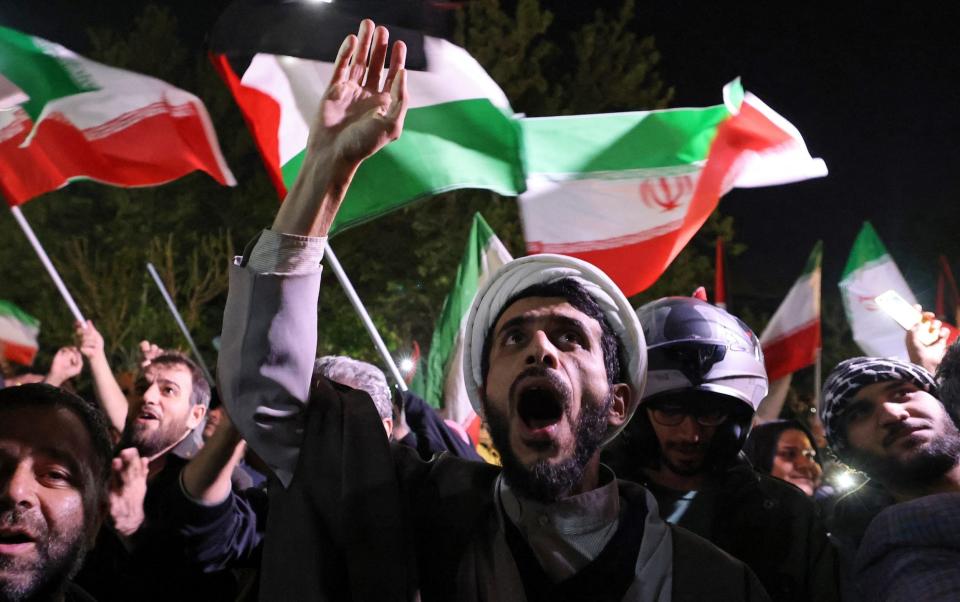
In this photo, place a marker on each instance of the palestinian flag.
(18, 334)
(458, 132)
(627, 191)
(792, 336)
(66, 118)
(444, 387)
(870, 271)
(624, 191)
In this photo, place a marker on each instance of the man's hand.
(927, 342)
(66, 364)
(148, 353)
(89, 339)
(128, 488)
(357, 117)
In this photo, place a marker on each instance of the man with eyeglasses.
(899, 534)
(706, 378)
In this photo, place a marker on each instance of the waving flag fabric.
(18, 334)
(65, 117)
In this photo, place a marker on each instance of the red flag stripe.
(790, 353)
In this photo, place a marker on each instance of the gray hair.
(358, 375)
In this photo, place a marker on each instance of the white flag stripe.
(799, 308)
(298, 84)
(15, 331)
(875, 332)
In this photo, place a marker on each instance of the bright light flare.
(845, 480)
(406, 365)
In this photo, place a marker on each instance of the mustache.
(28, 520)
(539, 372)
(896, 430)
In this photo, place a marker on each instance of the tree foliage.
(402, 265)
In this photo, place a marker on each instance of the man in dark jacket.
(553, 356)
(707, 377)
(892, 421)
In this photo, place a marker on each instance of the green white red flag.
(66, 117)
(444, 386)
(624, 191)
(792, 336)
(18, 334)
(870, 270)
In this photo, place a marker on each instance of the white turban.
(525, 272)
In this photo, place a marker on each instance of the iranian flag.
(627, 191)
(444, 386)
(792, 336)
(65, 117)
(18, 334)
(870, 271)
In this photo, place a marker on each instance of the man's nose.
(892, 412)
(690, 429)
(542, 351)
(18, 488)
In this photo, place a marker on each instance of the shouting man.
(553, 356)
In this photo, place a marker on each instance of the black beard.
(545, 482)
(58, 560)
(924, 468)
(149, 444)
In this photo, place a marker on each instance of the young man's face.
(894, 426)
(47, 472)
(684, 441)
(546, 387)
(161, 415)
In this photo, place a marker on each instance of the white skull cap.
(522, 273)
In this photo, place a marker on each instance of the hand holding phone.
(909, 317)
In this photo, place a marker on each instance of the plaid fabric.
(856, 373)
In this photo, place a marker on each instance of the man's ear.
(617, 412)
(388, 426)
(195, 416)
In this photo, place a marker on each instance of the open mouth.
(539, 407)
(148, 414)
(15, 541)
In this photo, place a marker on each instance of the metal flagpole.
(364, 316)
(38, 248)
(183, 327)
(817, 375)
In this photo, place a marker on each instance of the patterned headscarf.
(856, 373)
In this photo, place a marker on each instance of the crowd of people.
(632, 464)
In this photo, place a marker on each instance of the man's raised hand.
(357, 117)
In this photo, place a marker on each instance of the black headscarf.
(761, 446)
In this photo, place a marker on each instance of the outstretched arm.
(268, 343)
(109, 393)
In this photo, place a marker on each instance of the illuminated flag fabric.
(444, 384)
(625, 191)
(870, 270)
(65, 117)
(792, 336)
(18, 334)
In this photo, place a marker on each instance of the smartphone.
(899, 309)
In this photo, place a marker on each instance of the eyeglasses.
(674, 416)
(792, 454)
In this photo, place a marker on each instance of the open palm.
(357, 117)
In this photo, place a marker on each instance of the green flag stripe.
(622, 141)
(815, 259)
(867, 248)
(455, 309)
(43, 77)
(462, 144)
(9, 309)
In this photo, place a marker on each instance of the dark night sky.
(874, 93)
